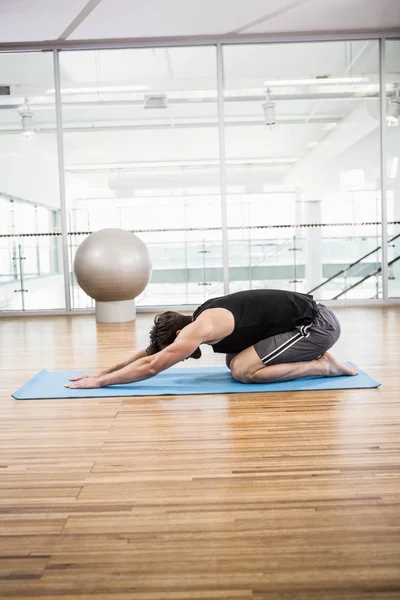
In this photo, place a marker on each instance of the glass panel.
(303, 167)
(393, 163)
(141, 153)
(30, 243)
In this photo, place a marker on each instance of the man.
(267, 336)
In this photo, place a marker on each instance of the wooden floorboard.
(291, 496)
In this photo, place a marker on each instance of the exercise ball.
(113, 267)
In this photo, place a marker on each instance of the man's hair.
(163, 332)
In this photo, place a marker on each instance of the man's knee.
(240, 371)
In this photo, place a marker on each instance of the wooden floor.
(268, 496)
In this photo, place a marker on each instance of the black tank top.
(260, 314)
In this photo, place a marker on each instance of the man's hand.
(86, 382)
(89, 375)
(95, 374)
(117, 367)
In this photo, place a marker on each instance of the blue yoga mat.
(178, 382)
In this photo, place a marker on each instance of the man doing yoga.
(267, 336)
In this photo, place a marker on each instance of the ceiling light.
(101, 89)
(269, 110)
(239, 93)
(155, 101)
(393, 111)
(192, 94)
(316, 81)
(168, 164)
(26, 120)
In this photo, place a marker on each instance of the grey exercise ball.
(112, 265)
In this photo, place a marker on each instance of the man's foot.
(330, 367)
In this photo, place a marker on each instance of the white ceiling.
(46, 20)
(36, 20)
(109, 126)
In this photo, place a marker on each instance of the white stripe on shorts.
(303, 333)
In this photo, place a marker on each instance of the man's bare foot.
(331, 367)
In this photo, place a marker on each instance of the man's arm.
(116, 367)
(133, 358)
(185, 344)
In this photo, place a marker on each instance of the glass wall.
(30, 241)
(141, 140)
(142, 152)
(302, 130)
(392, 163)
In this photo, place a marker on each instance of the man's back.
(259, 314)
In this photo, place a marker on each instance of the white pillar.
(313, 244)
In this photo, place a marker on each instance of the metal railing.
(271, 263)
(351, 266)
(357, 283)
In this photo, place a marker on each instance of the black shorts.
(304, 343)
